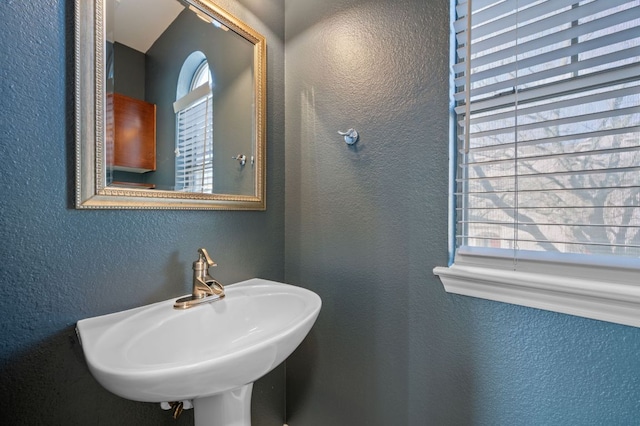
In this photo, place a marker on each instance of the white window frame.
(586, 286)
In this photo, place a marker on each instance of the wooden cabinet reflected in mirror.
(131, 143)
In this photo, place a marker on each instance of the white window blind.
(548, 103)
(547, 155)
(194, 145)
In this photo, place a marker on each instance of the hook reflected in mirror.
(242, 159)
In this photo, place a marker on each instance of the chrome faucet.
(205, 287)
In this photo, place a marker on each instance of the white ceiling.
(139, 23)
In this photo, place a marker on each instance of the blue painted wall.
(58, 265)
(366, 225)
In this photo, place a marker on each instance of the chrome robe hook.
(350, 136)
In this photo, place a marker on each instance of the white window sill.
(597, 298)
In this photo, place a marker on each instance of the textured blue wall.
(58, 265)
(366, 225)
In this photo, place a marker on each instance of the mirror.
(170, 106)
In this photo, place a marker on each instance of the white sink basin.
(156, 353)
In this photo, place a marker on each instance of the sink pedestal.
(232, 408)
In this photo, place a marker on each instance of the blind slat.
(577, 84)
(570, 34)
(622, 112)
(569, 242)
(461, 7)
(565, 15)
(556, 105)
(599, 152)
(503, 15)
(558, 71)
(576, 173)
(489, 12)
(565, 52)
(632, 130)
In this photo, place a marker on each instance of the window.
(194, 135)
(546, 156)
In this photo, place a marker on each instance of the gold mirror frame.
(91, 189)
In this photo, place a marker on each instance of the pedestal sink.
(210, 354)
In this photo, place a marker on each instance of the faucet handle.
(204, 257)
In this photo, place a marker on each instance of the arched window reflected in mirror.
(202, 76)
(194, 127)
